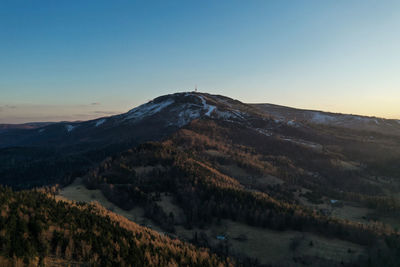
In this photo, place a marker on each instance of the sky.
(77, 60)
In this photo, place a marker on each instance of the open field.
(272, 247)
(78, 192)
(266, 245)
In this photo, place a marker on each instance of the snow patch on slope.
(227, 115)
(100, 122)
(318, 117)
(209, 108)
(70, 127)
(358, 118)
(263, 131)
(341, 119)
(148, 109)
(304, 143)
(187, 115)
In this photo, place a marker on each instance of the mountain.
(263, 185)
(57, 152)
(372, 124)
(29, 125)
(149, 121)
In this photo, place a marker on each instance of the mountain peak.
(181, 108)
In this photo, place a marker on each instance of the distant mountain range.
(356, 122)
(28, 125)
(168, 113)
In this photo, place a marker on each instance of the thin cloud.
(11, 106)
(83, 115)
(105, 112)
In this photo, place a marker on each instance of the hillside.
(355, 122)
(264, 185)
(38, 230)
(201, 177)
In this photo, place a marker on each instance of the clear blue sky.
(83, 59)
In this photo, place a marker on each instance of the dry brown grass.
(248, 179)
(351, 212)
(269, 246)
(273, 247)
(47, 261)
(168, 205)
(346, 165)
(78, 192)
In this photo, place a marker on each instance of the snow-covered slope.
(147, 109)
(299, 116)
(182, 108)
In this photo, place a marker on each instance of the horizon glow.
(64, 60)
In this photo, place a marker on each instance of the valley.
(268, 246)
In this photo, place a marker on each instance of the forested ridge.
(206, 195)
(182, 167)
(37, 230)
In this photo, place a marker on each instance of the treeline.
(35, 166)
(35, 229)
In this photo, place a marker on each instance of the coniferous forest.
(38, 230)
